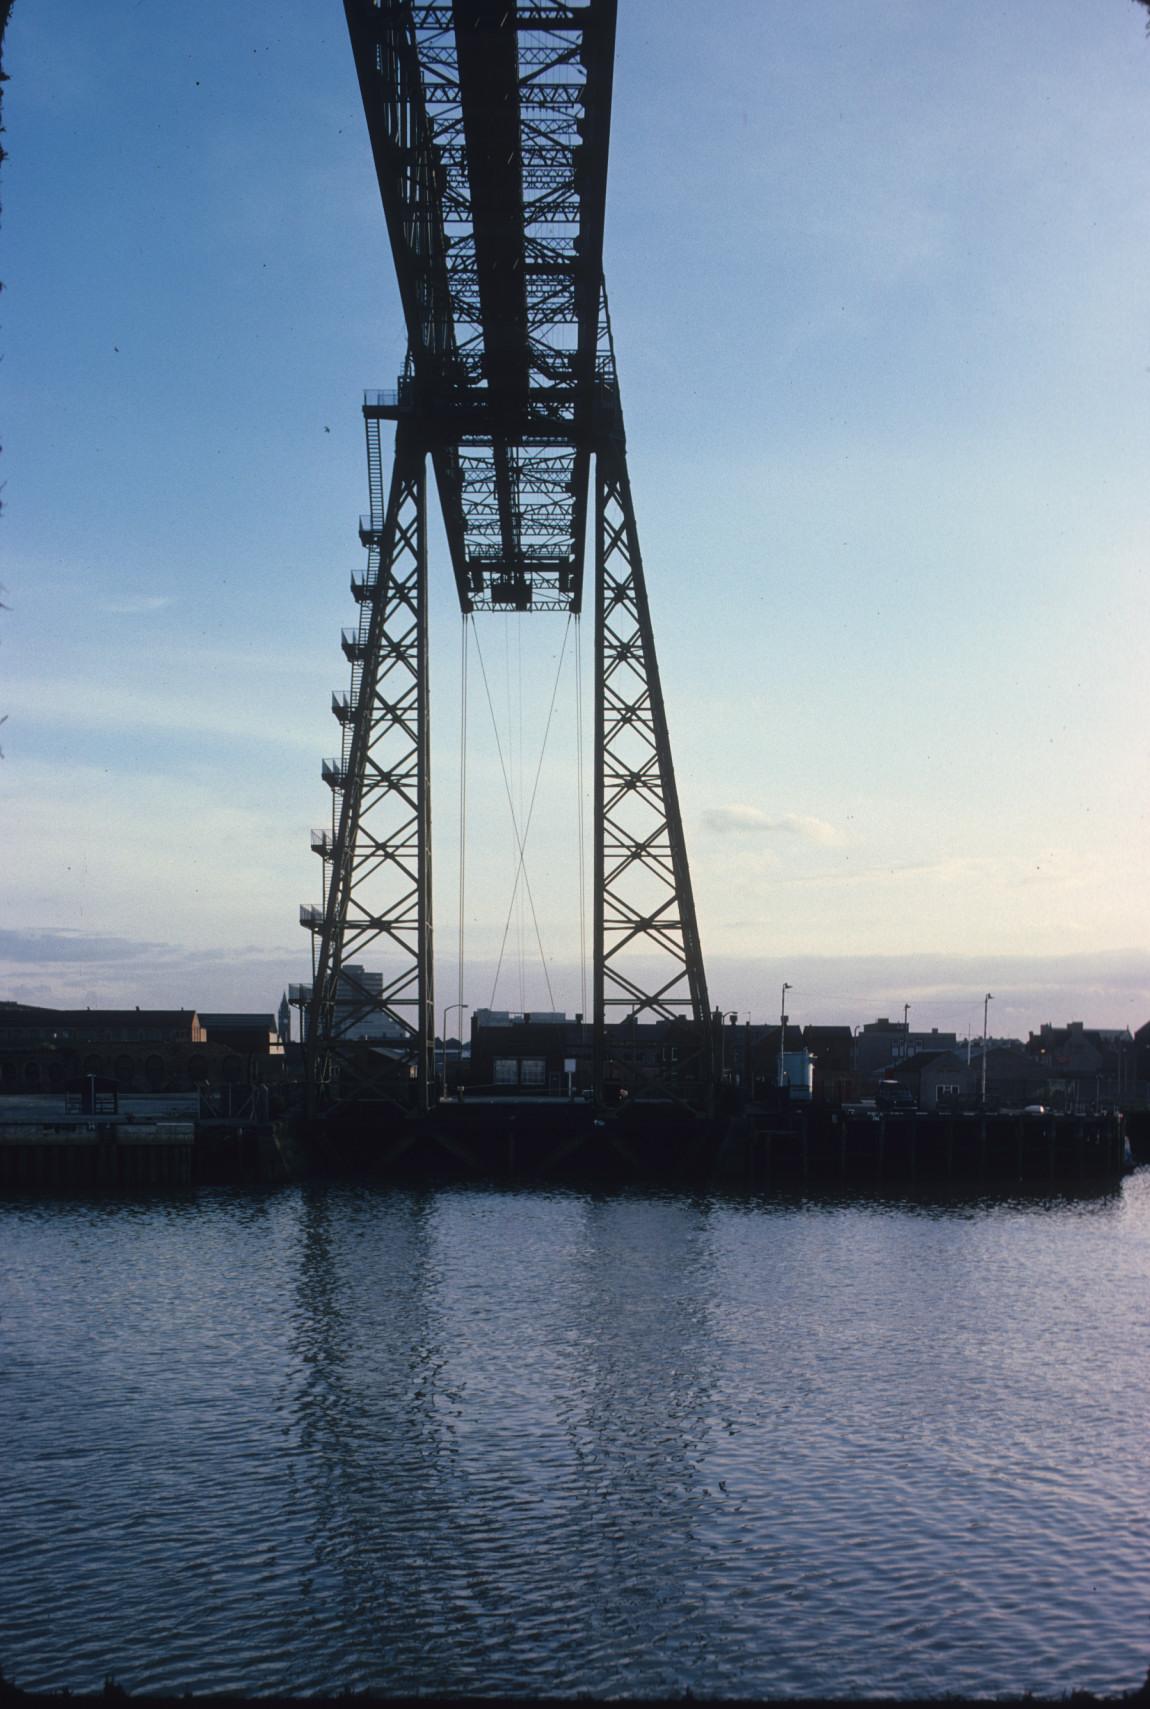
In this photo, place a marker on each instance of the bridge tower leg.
(377, 855)
(647, 959)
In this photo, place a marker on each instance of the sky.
(877, 277)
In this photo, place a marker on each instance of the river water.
(492, 1441)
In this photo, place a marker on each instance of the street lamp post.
(447, 1011)
(732, 1018)
(986, 1002)
(782, 1032)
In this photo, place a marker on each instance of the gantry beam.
(489, 123)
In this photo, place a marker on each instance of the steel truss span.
(489, 123)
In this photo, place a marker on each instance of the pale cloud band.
(63, 968)
(139, 606)
(741, 817)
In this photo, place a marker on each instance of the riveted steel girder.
(648, 963)
(371, 1036)
(489, 123)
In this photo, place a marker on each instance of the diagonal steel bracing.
(371, 1035)
(489, 123)
(648, 963)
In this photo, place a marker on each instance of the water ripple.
(512, 1443)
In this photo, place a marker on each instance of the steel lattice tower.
(489, 123)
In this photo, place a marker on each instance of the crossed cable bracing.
(521, 820)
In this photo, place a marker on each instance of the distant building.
(944, 1079)
(527, 1052)
(797, 1064)
(359, 1007)
(22, 1023)
(881, 1045)
(254, 1039)
(544, 1052)
(142, 1050)
(258, 1033)
(1088, 1068)
(1013, 1078)
(832, 1057)
(937, 1079)
(971, 1046)
(1137, 1089)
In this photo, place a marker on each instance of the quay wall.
(912, 1145)
(551, 1138)
(546, 1139)
(61, 1157)
(128, 1156)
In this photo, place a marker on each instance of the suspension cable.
(521, 839)
(462, 825)
(579, 815)
(521, 868)
(519, 791)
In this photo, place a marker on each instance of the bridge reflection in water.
(481, 1405)
(472, 1440)
(634, 1442)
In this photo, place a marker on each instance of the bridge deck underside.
(490, 124)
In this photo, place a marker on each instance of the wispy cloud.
(35, 944)
(1110, 988)
(150, 705)
(739, 816)
(56, 944)
(139, 606)
(1002, 870)
(64, 968)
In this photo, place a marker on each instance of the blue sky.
(877, 277)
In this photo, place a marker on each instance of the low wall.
(916, 1145)
(59, 1158)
